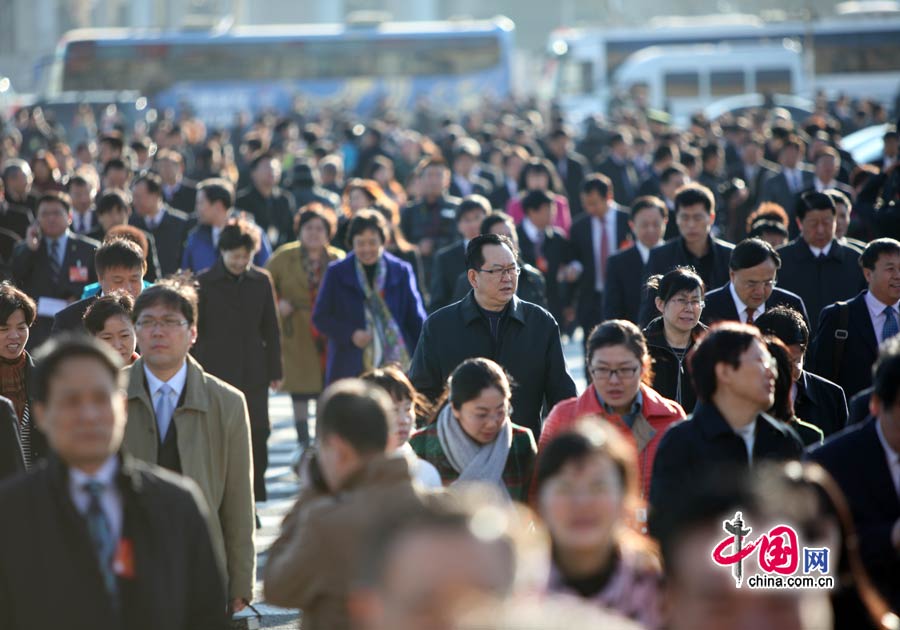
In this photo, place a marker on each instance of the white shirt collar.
(643, 250)
(531, 231)
(105, 474)
(876, 306)
(893, 457)
(820, 185)
(177, 382)
(748, 434)
(824, 251)
(157, 218)
(742, 308)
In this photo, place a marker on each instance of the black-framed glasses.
(515, 270)
(624, 372)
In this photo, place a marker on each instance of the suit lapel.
(863, 323)
(875, 468)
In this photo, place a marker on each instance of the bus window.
(576, 77)
(726, 83)
(682, 85)
(774, 81)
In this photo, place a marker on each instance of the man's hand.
(426, 247)
(276, 385)
(361, 338)
(285, 308)
(239, 604)
(33, 237)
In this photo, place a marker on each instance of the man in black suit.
(17, 181)
(620, 170)
(816, 400)
(430, 220)
(753, 169)
(864, 460)
(625, 269)
(82, 188)
(729, 431)
(891, 154)
(464, 180)
(272, 208)
(849, 333)
(670, 182)
(168, 226)
(450, 261)
(178, 192)
(545, 246)
(815, 265)
(794, 178)
(122, 544)
(571, 167)
(52, 264)
(751, 291)
(826, 169)
(663, 158)
(695, 213)
(120, 266)
(514, 159)
(596, 235)
(114, 209)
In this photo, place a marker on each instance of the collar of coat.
(128, 477)
(712, 423)
(653, 405)
(195, 390)
(471, 312)
(377, 471)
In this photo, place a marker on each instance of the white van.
(684, 79)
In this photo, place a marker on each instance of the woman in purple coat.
(368, 306)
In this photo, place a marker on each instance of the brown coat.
(302, 372)
(315, 558)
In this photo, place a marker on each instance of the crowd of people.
(411, 284)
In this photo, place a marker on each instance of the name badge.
(123, 561)
(77, 273)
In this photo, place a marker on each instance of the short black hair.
(724, 343)
(367, 220)
(115, 164)
(672, 171)
(535, 199)
(216, 189)
(111, 200)
(240, 233)
(114, 140)
(475, 253)
(264, 156)
(53, 196)
(59, 349)
(118, 252)
(886, 372)
(472, 203)
(598, 183)
(358, 412)
(313, 211)
(648, 201)
(693, 194)
(875, 249)
(675, 281)
(13, 299)
(751, 252)
(495, 217)
(115, 304)
(784, 323)
(177, 293)
(814, 201)
(151, 180)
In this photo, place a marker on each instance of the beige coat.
(315, 559)
(213, 431)
(302, 372)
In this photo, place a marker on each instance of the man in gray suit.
(794, 178)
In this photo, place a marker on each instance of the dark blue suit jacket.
(340, 311)
(623, 288)
(860, 348)
(720, 305)
(857, 461)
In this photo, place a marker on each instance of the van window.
(682, 85)
(774, 81)
(726, 82)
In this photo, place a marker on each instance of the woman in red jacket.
(620, 368)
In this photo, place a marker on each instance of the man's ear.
(472, 276)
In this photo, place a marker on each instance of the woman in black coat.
(238, 338)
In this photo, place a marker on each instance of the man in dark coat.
(695, 213)
(751, 291)
(178, 192)
(571, 167)
(785, 187)
(735, 382)
(113, 209)
(491, 322)
(450, 261)
(815, 265)
(120, 266)
(122, 544)
(168, 226)
(52, 264)
(238, 339)
(620, 170)
(864, 461)
(272, 208)
(844, 351)
(817, 400)
(430, 221)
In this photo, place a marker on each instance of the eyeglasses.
(164, 324)
(604, 374)
(681, 303)
(515, 270)
(755, 284)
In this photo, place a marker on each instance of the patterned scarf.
(387, 344)
(313, 270)
(12, 383)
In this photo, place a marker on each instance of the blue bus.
(454, 64)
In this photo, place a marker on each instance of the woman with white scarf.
(472, 438)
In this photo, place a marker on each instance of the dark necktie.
(101, 535)
(54, 260)
(749, 315)
(891, 326)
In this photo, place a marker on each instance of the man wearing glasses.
(751, 290)
(491, 322)
(183, 419)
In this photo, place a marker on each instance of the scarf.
(474, 461)
(387, 344)
(12, 383)
(313, 271)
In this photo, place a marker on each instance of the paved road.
(282, 487)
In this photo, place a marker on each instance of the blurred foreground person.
(312, 564)
(122, 544)
(588, 495)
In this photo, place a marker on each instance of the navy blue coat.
(856, 460)
(340, 311)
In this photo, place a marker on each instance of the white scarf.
(474, 461)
